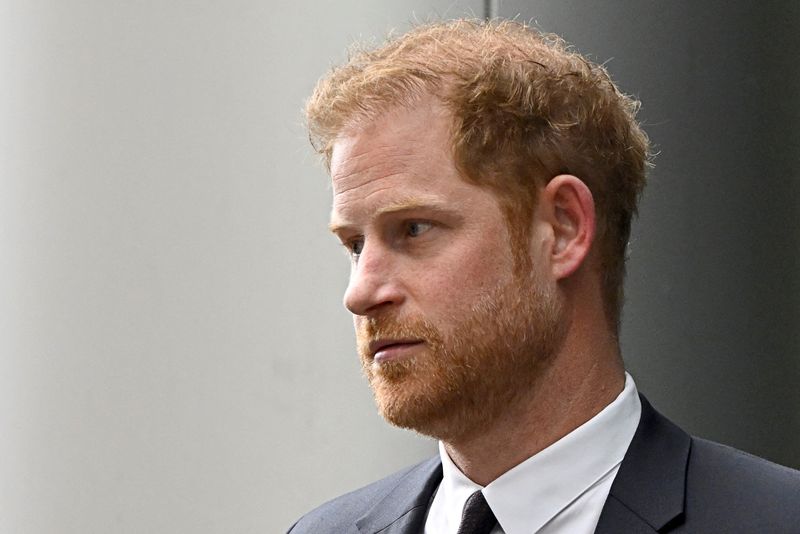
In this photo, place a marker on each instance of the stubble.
(458, 383)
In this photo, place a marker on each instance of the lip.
(384, 350)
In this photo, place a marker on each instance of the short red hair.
(525, 108)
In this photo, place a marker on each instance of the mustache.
(374, 329)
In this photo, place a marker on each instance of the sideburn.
(518, 214)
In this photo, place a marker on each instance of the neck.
(584, 379)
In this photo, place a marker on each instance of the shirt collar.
(529, 495)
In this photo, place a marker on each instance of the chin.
(405, 403)
(437, 412)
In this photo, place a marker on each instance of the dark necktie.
(477, 517)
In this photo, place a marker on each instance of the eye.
(355, 246)
(417, 228)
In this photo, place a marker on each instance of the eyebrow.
(406, 204)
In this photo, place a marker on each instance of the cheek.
(465, 280)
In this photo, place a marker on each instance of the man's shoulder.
(671, 481)
(722, 474)
(718, 460)
(339, 515)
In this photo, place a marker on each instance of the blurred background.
(174, 356)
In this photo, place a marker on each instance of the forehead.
(403, 156)
(395, 140)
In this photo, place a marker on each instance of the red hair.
(525, 108)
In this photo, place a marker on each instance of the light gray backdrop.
(174, 356)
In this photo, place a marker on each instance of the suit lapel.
(648, 492)
(403, 510)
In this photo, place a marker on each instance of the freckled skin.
(504, 357)
(446, 268)
(432, 264)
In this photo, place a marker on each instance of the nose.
(373, 283)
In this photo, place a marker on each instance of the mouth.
(384, 350)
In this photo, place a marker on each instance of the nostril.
(373, 284)
(366, 295)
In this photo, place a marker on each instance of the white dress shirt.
(561, 489)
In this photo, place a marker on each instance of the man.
(484, 179)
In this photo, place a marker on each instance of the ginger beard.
(457, 384)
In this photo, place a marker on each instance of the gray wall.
(713, 313)
(174, 356)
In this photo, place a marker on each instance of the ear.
(568, 207)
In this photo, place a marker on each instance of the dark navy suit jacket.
(668, 482)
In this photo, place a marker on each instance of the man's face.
(447, 333)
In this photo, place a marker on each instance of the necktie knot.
(477, 517)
